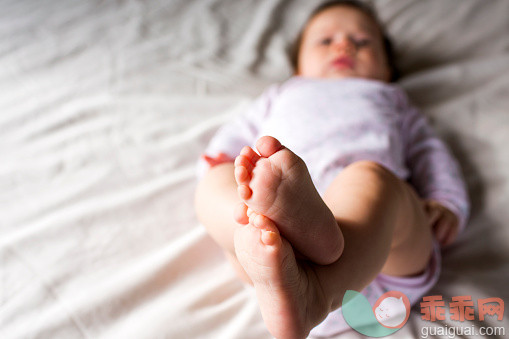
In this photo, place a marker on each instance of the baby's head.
(343, 39)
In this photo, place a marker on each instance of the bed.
(106, 107)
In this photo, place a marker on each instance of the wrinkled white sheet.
(105, 107)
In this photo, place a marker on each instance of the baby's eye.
(326, 41)
(361, 42)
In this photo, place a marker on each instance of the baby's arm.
(228, 141)
(436, 176)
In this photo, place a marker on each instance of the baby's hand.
(445, 223)
(219, 159)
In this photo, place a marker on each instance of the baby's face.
(342, 42)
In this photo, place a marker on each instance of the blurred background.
(105, 107)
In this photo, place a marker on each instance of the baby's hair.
(364, 8)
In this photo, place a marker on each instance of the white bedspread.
(105, 107)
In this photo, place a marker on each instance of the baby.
(352, 190)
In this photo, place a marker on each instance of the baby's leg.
(384, 228)
(219, 209)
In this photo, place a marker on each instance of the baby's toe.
(240, 214)
(250, 154)
(268, 145)
(270, 233)
(251, 215)
(244, 161)
(244, 192)
(242, 176)
(256, 246)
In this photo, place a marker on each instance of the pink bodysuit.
(331, 123)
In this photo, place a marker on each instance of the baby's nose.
(344, 43)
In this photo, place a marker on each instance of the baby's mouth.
(343, 62)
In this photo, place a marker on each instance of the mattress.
(106, 107)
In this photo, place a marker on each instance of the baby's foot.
(277, 184)
(288, 292)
